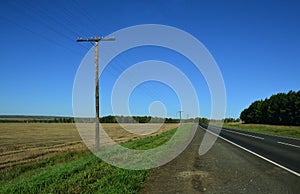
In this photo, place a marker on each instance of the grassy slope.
(77, 172)
(290, 131)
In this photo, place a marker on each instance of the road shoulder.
(224, 169)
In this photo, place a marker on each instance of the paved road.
(225, 168)
(282, 150)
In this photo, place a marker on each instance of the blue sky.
(255, 43)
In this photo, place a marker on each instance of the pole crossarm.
(96, 39)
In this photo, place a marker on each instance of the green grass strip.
(289, 131)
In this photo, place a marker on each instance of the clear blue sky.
(255, 43)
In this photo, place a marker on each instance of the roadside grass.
(149, 142)
(289, 131)
(78, 171)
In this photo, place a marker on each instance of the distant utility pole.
(180, 112)
(96, 41)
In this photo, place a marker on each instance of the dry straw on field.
(28, 142)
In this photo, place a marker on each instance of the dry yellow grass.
(28, 142)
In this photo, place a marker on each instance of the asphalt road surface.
(283, 151)
(225, 168)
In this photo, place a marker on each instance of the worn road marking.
(257, 137)
(288, 144)
(256, 154)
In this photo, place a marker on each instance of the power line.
(36, 9)
(40, 35)
(40, 20)
(69, 14)
(147, 91)
(42, 16)
(89, 19)
(153, 94)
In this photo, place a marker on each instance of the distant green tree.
(231, 120)
(203, 120)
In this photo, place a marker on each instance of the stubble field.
(51, 158)
(21, 143)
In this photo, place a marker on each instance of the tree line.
(39, 120)
(129, 119)
(279, 109)
(107, 119)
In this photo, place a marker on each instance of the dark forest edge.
(279, 109)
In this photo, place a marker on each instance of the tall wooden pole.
(97, 137)
(96, 45)
(180, 112)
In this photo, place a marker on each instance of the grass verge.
(289, 131)
(78, 172)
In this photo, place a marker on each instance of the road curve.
(284, 151)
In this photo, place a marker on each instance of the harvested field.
(22, 143)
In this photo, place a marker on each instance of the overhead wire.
(38, 21)
(119, 67)
(43, 21)
(43, 12)
(79, 27)
(92, 21)
(57, 43)
(82, 17)
(43, 18)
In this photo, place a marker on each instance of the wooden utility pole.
(180, 112)
(96, 45)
